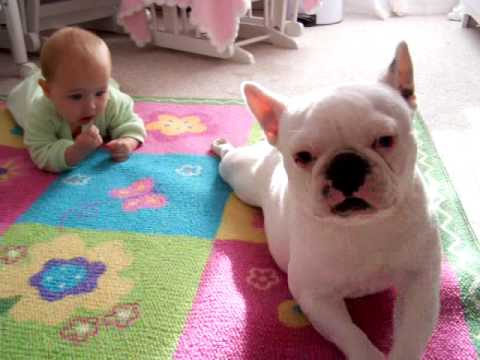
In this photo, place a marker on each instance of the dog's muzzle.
(346, 174)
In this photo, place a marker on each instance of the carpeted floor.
(155, 258)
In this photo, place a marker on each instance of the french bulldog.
(346, 214)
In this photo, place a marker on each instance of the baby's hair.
(67, 43)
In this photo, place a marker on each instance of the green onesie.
(47, 135)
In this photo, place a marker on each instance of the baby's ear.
(399, 74)
(44, 85)
(266, 107)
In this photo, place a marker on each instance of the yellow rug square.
(241, 222)
(10, 133)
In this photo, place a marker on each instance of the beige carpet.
(445, 55)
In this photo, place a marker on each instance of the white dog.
(345, 211)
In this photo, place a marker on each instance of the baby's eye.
(100, 93)
(75, 97)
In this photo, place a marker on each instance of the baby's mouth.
(85, 120)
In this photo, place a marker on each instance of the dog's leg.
(416, 314)
(330, 318)
(238, 170)
(221, 147)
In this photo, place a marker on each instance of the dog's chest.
(365, 282)
(349, 280)
(346, 267)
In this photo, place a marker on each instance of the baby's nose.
(91, 104)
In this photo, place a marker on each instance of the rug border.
(450, 186)
(465, 278)
(179, 100)
(190, 100)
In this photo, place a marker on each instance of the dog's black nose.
(347, 172)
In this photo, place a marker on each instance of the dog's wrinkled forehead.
(353, 112)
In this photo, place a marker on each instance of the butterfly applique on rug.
(139, 195)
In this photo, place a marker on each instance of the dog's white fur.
(331, 254)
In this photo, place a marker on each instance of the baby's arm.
(122, 147)
(126, 127)
(48, 151)
(85, 143)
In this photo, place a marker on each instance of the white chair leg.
(292, 26)
(282, 40)
(242, 56)
(17, 41)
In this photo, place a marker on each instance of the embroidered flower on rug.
(63, 275)
(290, 315)
(78, 180)
(80, 329)
(122, 316)
(262, 279)
(60, 278)
(189, 170)
(12, 254)
(9, 169)
(140, 195)
(172, 125)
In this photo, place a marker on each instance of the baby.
(69, 108)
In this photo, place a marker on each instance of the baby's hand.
(84, 144)
(89, 140)
(122, 147)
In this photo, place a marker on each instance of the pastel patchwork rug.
(154, 258)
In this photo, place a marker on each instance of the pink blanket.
(218, 19)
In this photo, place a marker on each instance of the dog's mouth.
(351, 206)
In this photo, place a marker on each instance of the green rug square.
(113, 293)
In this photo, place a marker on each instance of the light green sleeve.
(123, 121)
(45, 135)
(46, 149)
(22, 96)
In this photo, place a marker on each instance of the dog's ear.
(266, 107)
(399, 74)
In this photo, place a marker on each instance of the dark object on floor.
(307, 20)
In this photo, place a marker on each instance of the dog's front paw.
(220, 147)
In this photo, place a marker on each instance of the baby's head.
(76, 66)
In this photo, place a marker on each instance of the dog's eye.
(384, 142)
(303, 158)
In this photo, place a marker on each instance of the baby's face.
(80, 91)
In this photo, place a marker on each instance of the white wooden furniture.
(15, 31)
(39, 15)
(171, 29)
(471, 15)
(25, 19)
